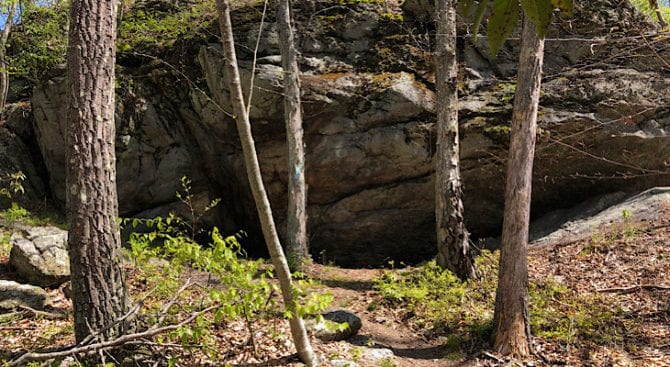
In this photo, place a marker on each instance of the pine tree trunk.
(98, 288)
(4, 71)
(453, 244)
(511, 320)
(296, 323)
(296, 246)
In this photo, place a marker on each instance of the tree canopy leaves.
(504, 17)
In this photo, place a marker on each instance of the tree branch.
(634, 288)
(104, 345)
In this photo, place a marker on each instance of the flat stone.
(13, 295)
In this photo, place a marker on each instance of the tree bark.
(296, 323)
(98, 288)
(296, 246)
(511, 320)
(453, 243)
(657, 9)
(4, 37)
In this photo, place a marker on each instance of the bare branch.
(106, 345)
(634, 288)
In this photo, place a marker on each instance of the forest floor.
(622, 273)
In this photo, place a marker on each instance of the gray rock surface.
(13, 295)
(377, 354)
(39, 255)
(325, 329)
(594, 216)
(368, 106)
(342, 363)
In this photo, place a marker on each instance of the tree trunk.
(4, 37)
(296, 246)
(453, 244)
(657, 9)
(296, 323)
(98, 288)
(511, 321)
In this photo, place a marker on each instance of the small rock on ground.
(14, 295)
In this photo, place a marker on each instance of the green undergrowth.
(13, 214)
(436, 301)
(216, 280)
(152, 27)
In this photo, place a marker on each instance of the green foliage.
(244, 288)
(539, 12)
(601, 242)
(558, 314)
(14, 214)
(505, 16)
(11, 184)
(195, 214)
(149, 27)
(437, 300)
(38, 41)
(644, 7)
(5, 245)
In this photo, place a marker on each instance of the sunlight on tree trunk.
(659, 14)
(296, 323)
(296, 246)
(4, 37)
(453, 243)
(94, 245)
(511, 320)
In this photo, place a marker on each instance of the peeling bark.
(511, 321)
(453, 242)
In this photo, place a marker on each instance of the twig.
(253, 63)
(17, 328)
(104, 345)
(634, 288)
(492, 356)
(164, 310)
(48, 315)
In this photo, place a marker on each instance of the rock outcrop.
(596, 216)
(369, 116)
(39, 255)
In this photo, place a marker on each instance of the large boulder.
(39, 255)
(14, 295)
(369, 118)
(152, 149)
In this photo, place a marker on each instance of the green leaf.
(503, 20)
(539, 12)
(565, 6)
(479, 15)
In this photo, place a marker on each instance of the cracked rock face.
(39, 255)
(369, 104)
